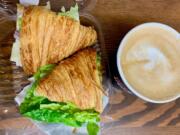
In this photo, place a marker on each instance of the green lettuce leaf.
(99, 67)
(19, 23)
(54, 116)
(72, 13)
(59, 106)
(92, 128)
(43, 72)
(33, 102)
(41, 109)
(70, 118)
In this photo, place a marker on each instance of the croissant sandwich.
(69, 93)
(46, 37)
(67, 80)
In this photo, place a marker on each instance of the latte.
(150, 61)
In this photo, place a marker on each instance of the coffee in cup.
(148, 61)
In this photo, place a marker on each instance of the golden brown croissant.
(75, 80)
(47, 38)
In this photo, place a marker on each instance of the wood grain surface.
(129, 115)
(125, 113)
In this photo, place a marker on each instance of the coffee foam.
(150, 61)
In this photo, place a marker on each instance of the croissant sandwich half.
(70, 94)
(46, 37)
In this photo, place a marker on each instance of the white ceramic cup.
(120, 49)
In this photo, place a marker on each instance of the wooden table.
(126, 114)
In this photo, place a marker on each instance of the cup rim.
(118, 61)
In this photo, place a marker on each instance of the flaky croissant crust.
(47, 38)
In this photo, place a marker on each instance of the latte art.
(150, 62)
